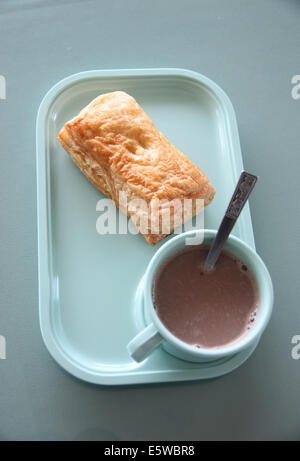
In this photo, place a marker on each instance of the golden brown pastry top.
(118, 135)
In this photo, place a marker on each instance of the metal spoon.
(239, 197)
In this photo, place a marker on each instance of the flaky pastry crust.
(118, 148)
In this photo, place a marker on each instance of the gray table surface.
(252, 50)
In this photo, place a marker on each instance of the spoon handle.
(240, 196)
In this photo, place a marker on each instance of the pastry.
(118, 148)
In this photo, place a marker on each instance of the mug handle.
(144, 343)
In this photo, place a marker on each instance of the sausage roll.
(117, 147)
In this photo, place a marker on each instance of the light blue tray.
(88, 284)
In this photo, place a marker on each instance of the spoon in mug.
(239, 197)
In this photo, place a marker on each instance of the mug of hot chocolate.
(203, 315)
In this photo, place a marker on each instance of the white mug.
(156, 334)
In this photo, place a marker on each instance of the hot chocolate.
(205, 309)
